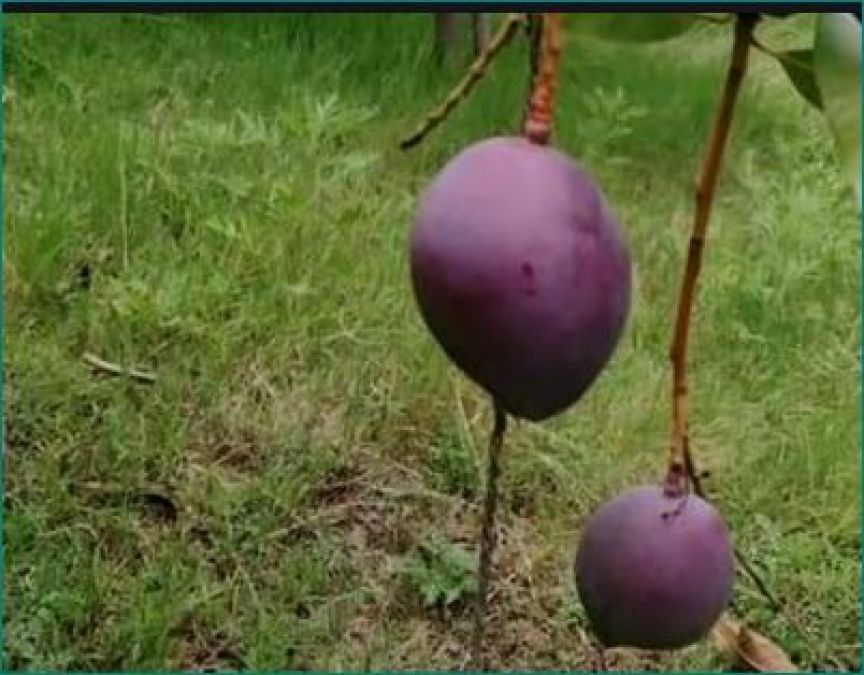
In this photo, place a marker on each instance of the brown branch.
(681, 463)
(477, 70)
(488, 534)
(681, 460)
(104, 366)
(705, 188)
(534, 33)
(538, 125)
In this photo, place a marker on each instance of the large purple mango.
(521, 273)
(654, 572)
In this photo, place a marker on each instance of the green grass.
(232, 189)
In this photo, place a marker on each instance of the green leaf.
(631, 27)
(837, 64)
(798, 64)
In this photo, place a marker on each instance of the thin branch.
(478, 69)
(681, 457)
(681, 461)
(534, 33)
(104, 366)
(488, 535)
(705, 188)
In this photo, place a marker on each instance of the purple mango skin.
(650, 582)
(521, 273)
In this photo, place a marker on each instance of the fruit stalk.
(538, 125)
(680, 461)
(488, 534)
(477, 70)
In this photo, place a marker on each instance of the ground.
(220, 200)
